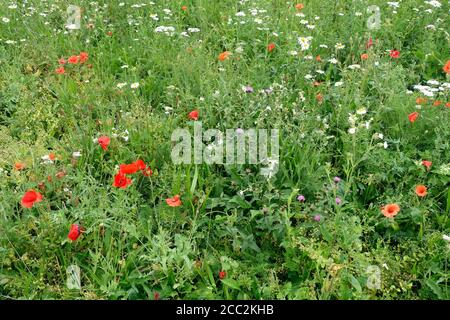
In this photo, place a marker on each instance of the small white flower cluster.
(138, 5)
(333, 61)
(189, 31)
(170, 31)
(255, 13)
(434, 3)
(167, 110)
(76, 154)
(124, 134)
(134, 85)
(394, 5)
(433, 87)
(354, 66)
(307, 24)
(353, 119)
(380, 136)
(271, 169)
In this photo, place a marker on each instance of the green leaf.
(231, 283)
(325, 233)
(435, 288)
(355, 283)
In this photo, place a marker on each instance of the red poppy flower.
(19, 166)
(60, 70)
(390, 210)
(74, 232)
(319, 97)
(146, 171)
(193, 115)
(104, 141)
(437, 103)
(128, 168)
(133, 167)
(224, 55)
(421, 100)
(421, 190)
(174, 202)
(121, 181)
(364, 56)
(184, 8)
(140, 164)
(270, 47)
(427, 164)
(395, 54)
(73, 59)
(447, 104)
(446, 68)
(222, 274)
(156, 295)
(299, 6)
(30, 198)
(84, 56)
(369, 43)
(62, 61)
(413, 116)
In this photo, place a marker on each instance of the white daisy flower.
(304, 42)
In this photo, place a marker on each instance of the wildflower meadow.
(246, 149)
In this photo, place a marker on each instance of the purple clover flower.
(248, 89)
